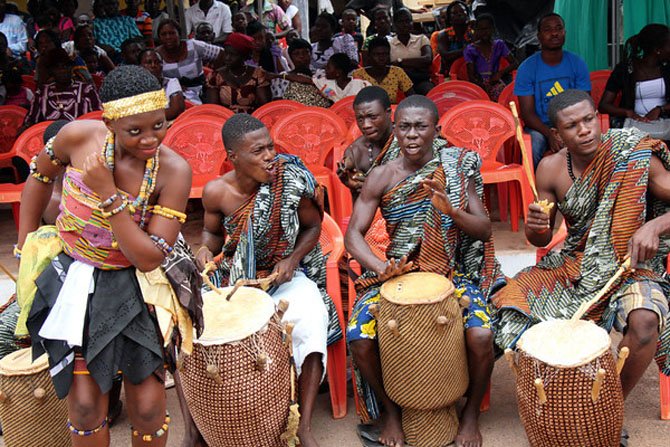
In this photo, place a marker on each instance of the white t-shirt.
(291, 11)
(218, 16)
(171, 86)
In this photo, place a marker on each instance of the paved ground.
(500, 426)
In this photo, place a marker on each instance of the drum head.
(247, 312)
(417, 288)
(565, 343)
(20, 363)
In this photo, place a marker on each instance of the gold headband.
(133, 105)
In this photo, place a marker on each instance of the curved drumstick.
(263, 282)
(522, 144)
(210, 266)
(585, 306)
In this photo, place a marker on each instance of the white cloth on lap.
(307, 311)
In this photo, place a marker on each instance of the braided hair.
(649, 39)
(126, 81)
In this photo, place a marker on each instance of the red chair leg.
(664, 385)
(337, 378)
(503, 201)
(486, 401)
(16, 212)
(514, 207)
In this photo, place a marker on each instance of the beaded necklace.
(148, 180)
(568, 158)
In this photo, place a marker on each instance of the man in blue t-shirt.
(543, 76)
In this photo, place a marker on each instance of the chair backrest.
(481, 126)
(331, 239)
(598, 82)
(31, 141)
(271, 112)
(450, 93)
(507, 95)
(11, 120)
(344, 108)
(214, 111)
(309, 133)
(377, 237)
(29, 82)
(94, 115)
(198, 140)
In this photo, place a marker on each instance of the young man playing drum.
(437, 223)
(265, 217)
(614, 192)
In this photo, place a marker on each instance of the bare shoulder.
(78, 133)
(174, 164)
(215, 192)
(549, 169)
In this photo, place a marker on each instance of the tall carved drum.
(422, 349)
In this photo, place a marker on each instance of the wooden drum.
(568, 386)
(237, 380)
(422, 349)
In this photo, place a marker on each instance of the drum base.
(430, 428)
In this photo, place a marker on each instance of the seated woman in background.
(643, 80)
(334, 82)
(411, 52)
(47, 40)
(266, 53)
(151, 60)
(64, 98)
(16, 94)
(389, 77)
(297, 84)
(184, 59)
(483, 58)
(237, 86)
(84, 41)
(452, 41)
(325, 45)
(382, 22)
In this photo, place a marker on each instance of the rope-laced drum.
(237, 381)
(422, 349)
(30, 412)
(568, 386)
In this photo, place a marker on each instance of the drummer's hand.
(537, 220)
(203, 257)
(285, 268)
(644, 243)
(438, 196)
(395, 268)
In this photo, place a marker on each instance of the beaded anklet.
(74, 431)
(160, 432)
(161, 244)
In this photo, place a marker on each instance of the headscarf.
(241, 42)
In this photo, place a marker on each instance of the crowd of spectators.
(237, 58)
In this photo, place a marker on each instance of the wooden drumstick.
(541, 395)
(598, 384)
(623, 355)
(522, 144)
(205, 277)
(282, 307)
(509, 356)
(393, 326)
(263, 282)
(585, 306)
(7, 272)
(288, 330)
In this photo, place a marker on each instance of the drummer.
(265, 217)
(431, 231)
(614, 192)
(89, 313)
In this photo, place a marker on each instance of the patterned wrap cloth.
(263, 231)
(432, 241)
(603, 209)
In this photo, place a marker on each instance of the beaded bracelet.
(157, 434)
(17, 252)
(49, 150)
(34, 173)
(169, 213)
(86, 432)
(161, 244)
(108, 201)
(116, 210)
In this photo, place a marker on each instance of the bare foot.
(306, 437)
(391, 428)
(468, 431)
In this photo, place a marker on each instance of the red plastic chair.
(312, 134)
(213, 111)
(344, 108)
(94, 115)
(188, 104)
(450, 93)
(29, 143)
(198, 140)
(598, 82)
(436, 76)
(271, 112)
(332, 244)
(29, 82)
(484, 126)
(11, 120)
(97, 80)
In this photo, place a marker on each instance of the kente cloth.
(86, 235)
(603, 209)
(430, 238)
(9, 315)
(263, 231)
(391, 151)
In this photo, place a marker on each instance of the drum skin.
(248, 408)
(425, 366)
(570, 417)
